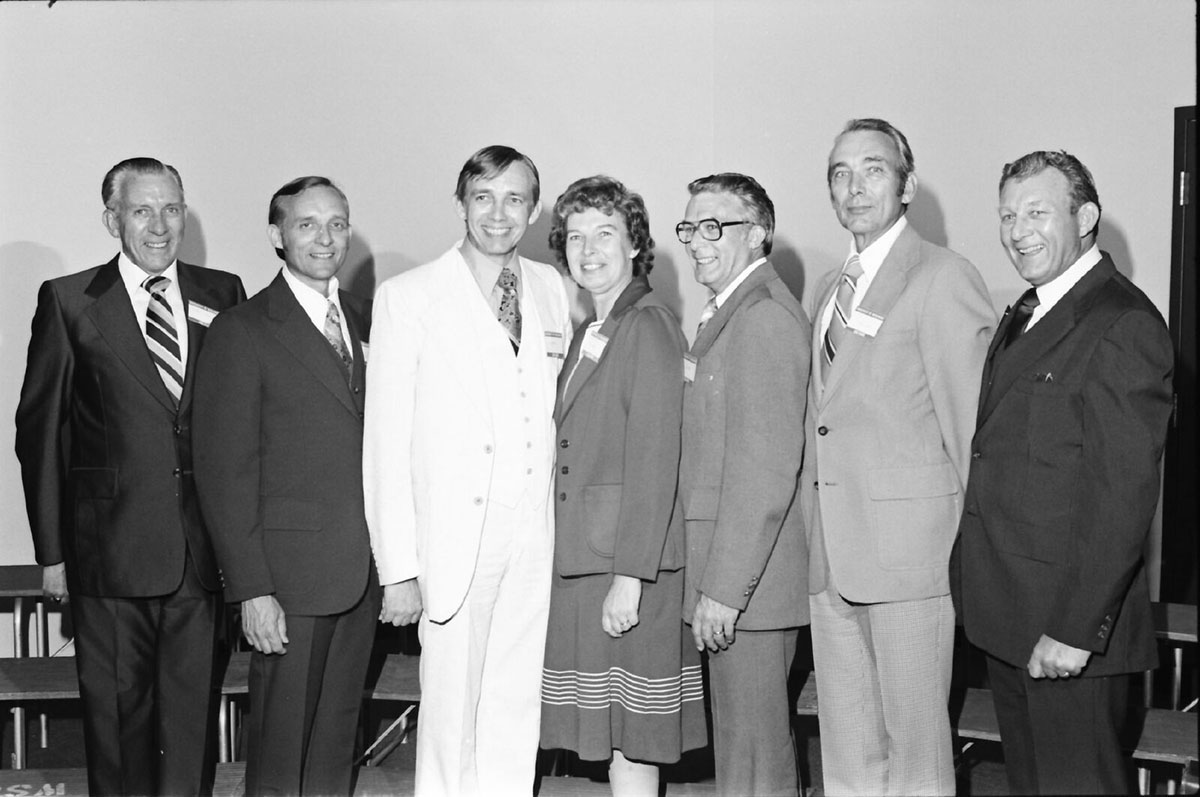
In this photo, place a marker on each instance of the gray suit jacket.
(743, 442)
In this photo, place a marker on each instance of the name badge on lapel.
(593, 345)
(689, 368)
(864, 322)
(554, 345)
(200, 314)
(366, 347)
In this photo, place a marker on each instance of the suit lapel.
(1005, 365)
(633, 292)
(296, 332)
(889, 283)
(113, 315)
(704, 341)
(192, 291)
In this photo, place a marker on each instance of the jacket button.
(562, 496)
(563, 444)
(177, 472)
(822, 430)
(976, 455)
(565, 470)
(177, 429)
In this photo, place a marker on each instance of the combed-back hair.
(1083, 187)
(275, 212)
(491, 161)
(115, 179)
(907, 164)
(747, 189)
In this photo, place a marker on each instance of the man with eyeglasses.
(745, 379)
(900, 334)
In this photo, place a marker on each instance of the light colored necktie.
(510, 306)
(710, 309)
(843, 300)
(333, 333)
(162, 338)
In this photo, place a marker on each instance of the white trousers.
(883, 682)
(481, 670)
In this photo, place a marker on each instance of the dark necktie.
(161, 337)
(1021, 315)
(509, 313)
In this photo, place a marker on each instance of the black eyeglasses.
(710, 229)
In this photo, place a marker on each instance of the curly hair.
(608, 196)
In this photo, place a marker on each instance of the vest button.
(822, 430)
(565, 470)
(562, 496)
(478, 501)
(563, 444)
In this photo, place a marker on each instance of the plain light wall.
(389, 98)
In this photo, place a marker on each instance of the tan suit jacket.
(888, 436)
(743, 442)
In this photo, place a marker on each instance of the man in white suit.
(458, 460)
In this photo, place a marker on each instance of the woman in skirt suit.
(622, 678)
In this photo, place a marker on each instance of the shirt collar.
(485, 271)
(315, 304)
(1049, 294)
(133, 275)
(873, 256)
(724, 295)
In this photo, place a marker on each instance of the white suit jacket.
(429, 442)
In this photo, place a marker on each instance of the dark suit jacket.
(1064, 480)
(106, 457)
(743, 442)
(279, 454)
(621, 417)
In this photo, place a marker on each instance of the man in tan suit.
(743, 418)
(899, 337)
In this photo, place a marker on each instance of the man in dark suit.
(279, 473)
(746, 376)
(104, 440)
(1047, 571)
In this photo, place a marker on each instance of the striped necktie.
(333, 334)
(710, 310)
(161, 337)
(843, 300)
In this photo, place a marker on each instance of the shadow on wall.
(926, 216)
(358, 275)
(790, 267)
(1111, 238)
(194, 250)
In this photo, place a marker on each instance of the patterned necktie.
(510, 306)
(843, 300)
(1021, 315)
(710, 309)
(161, 337)
(333, 333)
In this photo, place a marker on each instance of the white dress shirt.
(1049, 294)
(316, 305)
(870, 259)
(724, 295)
